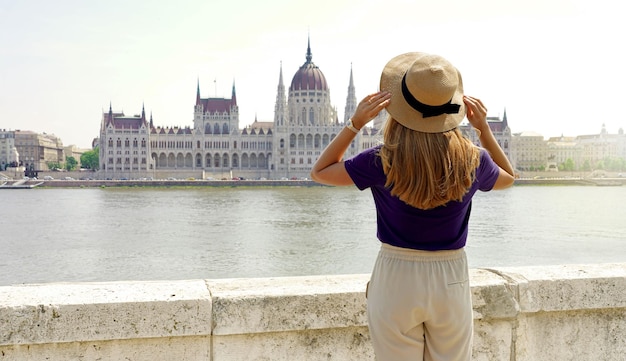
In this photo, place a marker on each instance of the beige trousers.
(419, 305)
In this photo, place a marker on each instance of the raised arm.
(329, 168)
(477, 116)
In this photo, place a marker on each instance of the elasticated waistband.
(408, 254)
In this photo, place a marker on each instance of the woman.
(422, 179)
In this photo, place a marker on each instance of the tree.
(586, 165)
(568, 165)
(53, 165)
(70, 163)
(91, 159)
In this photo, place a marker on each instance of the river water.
(112, 234)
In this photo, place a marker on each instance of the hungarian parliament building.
(215, 146)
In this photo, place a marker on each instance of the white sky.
(557, 66)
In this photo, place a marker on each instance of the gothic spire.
(351, 101)
(280, 107)
(198, 93)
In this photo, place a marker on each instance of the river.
(112, 234)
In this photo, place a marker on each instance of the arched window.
(216, 129)
(110, 142)
(282, 143)
(311, 116)
(292, 141)
(135, 143)
(207, 128)
(303, 120)
(119, 142)
(225, 128)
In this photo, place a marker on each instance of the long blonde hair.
(427, 170)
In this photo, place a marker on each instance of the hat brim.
(402, 112)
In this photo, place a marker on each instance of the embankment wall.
(569, 312)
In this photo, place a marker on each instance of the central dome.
(309, 76)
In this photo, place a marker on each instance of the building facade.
(216, 147)
(9, 156)
(37, 150)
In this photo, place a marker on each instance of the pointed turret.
(234, 96)
(351, 102)
(198, 93)
(143, 112)
(280, 108)
(505, 122)
(111, 118)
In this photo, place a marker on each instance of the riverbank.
(95, 183)
(156, 183)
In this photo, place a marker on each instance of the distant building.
(9, 156)
(582, 152)
(529, 151)
(37, 150)
(596, 148)
(560, 150)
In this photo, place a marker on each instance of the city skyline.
(551, 64)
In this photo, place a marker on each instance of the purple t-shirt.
(401, 225)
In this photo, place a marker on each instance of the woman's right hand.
(369, 108)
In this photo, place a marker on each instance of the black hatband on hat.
(427, 110)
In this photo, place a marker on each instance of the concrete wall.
(573, 312)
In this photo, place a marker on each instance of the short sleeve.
(487, 173)
(366, 169)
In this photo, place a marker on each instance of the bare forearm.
(325, 168)
(329, 168)
(489, 142)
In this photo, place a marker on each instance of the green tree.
(91, 159)
(568, 165)
(53, 165)
(70, 163)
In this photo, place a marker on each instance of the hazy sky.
(557, 66)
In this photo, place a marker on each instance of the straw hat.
(426, 92)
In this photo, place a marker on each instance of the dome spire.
(309, 56)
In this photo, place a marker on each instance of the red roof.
(216, 105)
(128, 123)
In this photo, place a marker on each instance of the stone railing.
(573, 312)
